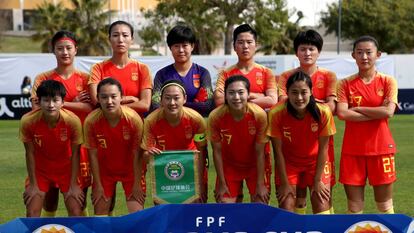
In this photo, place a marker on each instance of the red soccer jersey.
(160, 134)
(323, 82)
(300, 137)
(372, 137)
(261, 78)
(76, 83)
(134, 77)
(52, 146)
(238, 138)
(115, 145)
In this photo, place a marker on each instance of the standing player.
(262, 81)
(52, 138)
(237, 130)
(112, 135)
(308, 46)
(196, 79)
(77, 100)
(174, 127)
(365, 102)
(300, 129)
(134, 76)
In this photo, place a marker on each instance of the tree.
(87, 20)
(50, 19)
(390, 22)
(214, 20)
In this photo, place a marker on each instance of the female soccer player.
(173, 126)
(77, 100)
(365, 102)
(308, 46)
(52, 137)
(196, 79)
(134, 76)
(112, 135)
(300, 129)
(237, 131)
(263, 90)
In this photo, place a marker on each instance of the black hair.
(180, 34)
(26, 81)
(121, 22)
(175, 83)
(310, 37)
(365, 39)
(312, 108)
(236, 78)
(51, 88)
(109, 81)
(243, 28)
(62, 34)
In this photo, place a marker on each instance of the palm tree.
(89, 25)
(50, 19)
(86, 19)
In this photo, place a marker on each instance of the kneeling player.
(51, 137)
(300, 129)
(112, 135)
(237, 130)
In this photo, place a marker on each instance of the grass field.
(13, 173)
(16, 44)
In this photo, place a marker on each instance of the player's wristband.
(200, 137)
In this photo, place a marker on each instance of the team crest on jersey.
(314, 127)
(63, 134)
(259, 78)
(134, 76)
(126, 133)
(380, 92)
(79, 84)
(188, 130)
(196, 80)
(251, 127)
(38, 140)
(320, 83)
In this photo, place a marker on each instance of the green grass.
(15, 44)
(13, 173)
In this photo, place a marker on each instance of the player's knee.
(300, 202)
(355, 207)
(31, 212)
(386, 207)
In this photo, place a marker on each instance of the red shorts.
(235, 177)
(45, 182)
(329, 166)
(109, 183)
(84, 176)
(304, 176)
(355, 170)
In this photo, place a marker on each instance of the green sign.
(174, 177)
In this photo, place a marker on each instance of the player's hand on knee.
(221, 191)
(137, 194)
(262, 194)
(284, 191)
(322, 191)
(30, 192)
(75, 192)
(98, 194)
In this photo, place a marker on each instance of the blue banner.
(405, 101)
(194, 218)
